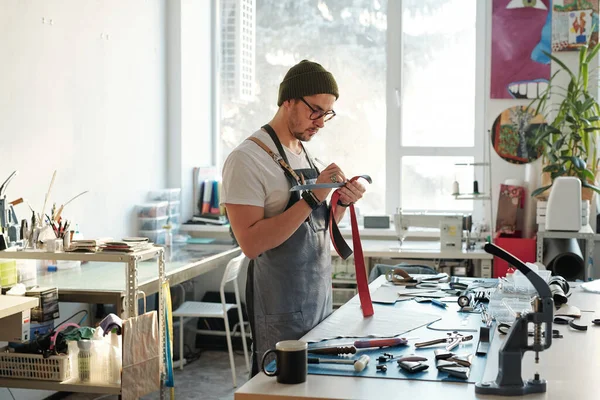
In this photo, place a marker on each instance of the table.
(570, 366)
(423, 250)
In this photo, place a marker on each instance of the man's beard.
(302, 136)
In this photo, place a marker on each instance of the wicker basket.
(34, 366)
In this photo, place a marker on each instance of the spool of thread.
(475, 187)
(455, 190)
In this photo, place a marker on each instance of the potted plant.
(569, 142)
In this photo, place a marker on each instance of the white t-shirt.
(252, 177)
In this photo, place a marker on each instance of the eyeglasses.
(317, 114)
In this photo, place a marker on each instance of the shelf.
(67, 386)
(475, 164)
(101, 256)
(585, 233)
(471, 196)
(10, 305)
(204, 228)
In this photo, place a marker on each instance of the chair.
(200, 309)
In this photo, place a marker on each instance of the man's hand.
(352, 192)
(331, 174)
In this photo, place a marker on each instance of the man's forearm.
(269, 233)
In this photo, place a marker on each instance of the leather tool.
(400, 277)
(312, 186)
(384, 359)
(359, 344)
(509, 381)
(442, 354)
(457, 372)
(484, 341)
(456, 361)
(453, 340)
(412, 366)
(359, 364)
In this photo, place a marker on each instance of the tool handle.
(430, 342)
(363, 344)
(334, 350)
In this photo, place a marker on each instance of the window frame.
(394, 148)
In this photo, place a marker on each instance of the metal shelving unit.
(586, 233)
(129, 309)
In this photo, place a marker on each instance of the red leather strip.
(359, 261)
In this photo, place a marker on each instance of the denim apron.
(288, 289)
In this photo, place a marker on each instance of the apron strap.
(344, 251)
(278, 159)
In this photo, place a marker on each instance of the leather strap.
(277, 158)
(344, 251)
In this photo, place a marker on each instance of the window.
(406, 111)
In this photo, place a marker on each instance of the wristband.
(311, 199)
(339, 203)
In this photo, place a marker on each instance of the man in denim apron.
(283, 233)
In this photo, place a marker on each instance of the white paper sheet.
(387, 294)
(593, 286)
(387, 321)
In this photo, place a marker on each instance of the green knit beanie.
(306, 79)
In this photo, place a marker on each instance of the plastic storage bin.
(153, 210)
(173, 208)
(8, 272)
(157, 236)
(152, 224)
(34, 366)
(174, 219)
(173, 194)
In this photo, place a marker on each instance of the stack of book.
(85, 245)
(212, 219)
(126, 246)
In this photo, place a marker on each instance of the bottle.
(115, 360)
(168, 234)
(83, 359)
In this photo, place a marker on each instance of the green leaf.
(587, 175)
(590, 186)
(540, 190)
(551, 168)
(578, 163)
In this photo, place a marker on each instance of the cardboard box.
(15, 328)
(48, 308)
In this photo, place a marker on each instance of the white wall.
(83, 91)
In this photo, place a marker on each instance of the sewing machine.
(451, 226)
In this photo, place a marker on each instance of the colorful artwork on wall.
(521, 33)
(513, 133)
(574, 24)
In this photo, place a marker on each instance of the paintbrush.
(48, 192)
(60, 210)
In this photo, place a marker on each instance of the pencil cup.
(291, 361)
(54, 245)
(66, 241)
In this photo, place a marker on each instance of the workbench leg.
(589, 271)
